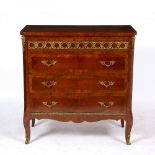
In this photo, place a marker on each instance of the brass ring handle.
(50, 104)
(107, 105)
(49, 84)
(106, 83)
(107, 63)
(49, 62)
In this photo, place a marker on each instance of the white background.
(52, 137)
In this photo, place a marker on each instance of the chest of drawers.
(78, 73)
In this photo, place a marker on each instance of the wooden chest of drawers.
(78, 73)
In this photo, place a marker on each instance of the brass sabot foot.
(27, 141)
(128, 140)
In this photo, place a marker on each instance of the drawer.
(80, 84)
(101, 104)
(66, 63)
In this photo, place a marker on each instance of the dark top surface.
(75, 29)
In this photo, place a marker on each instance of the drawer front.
(76, 84)
(102, 104)
(65, 63)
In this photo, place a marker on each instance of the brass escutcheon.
(106, 83)
(107, 63)
(49, 83)
(106, 104)
(49, 62)
(49, 104)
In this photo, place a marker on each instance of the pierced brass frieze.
(73, 113)
(78, 45)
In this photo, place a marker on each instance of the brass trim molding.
(78, 45)
(133, 42)
(23, 42)
(71, 113)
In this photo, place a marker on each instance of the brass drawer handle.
(50, 104)
(49, 62)
(106, 83)
(106, 104)
(49, 84)
(107, 63)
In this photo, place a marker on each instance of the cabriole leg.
(33, 122)
(27, 130)
(122, 123)
(129, 123)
